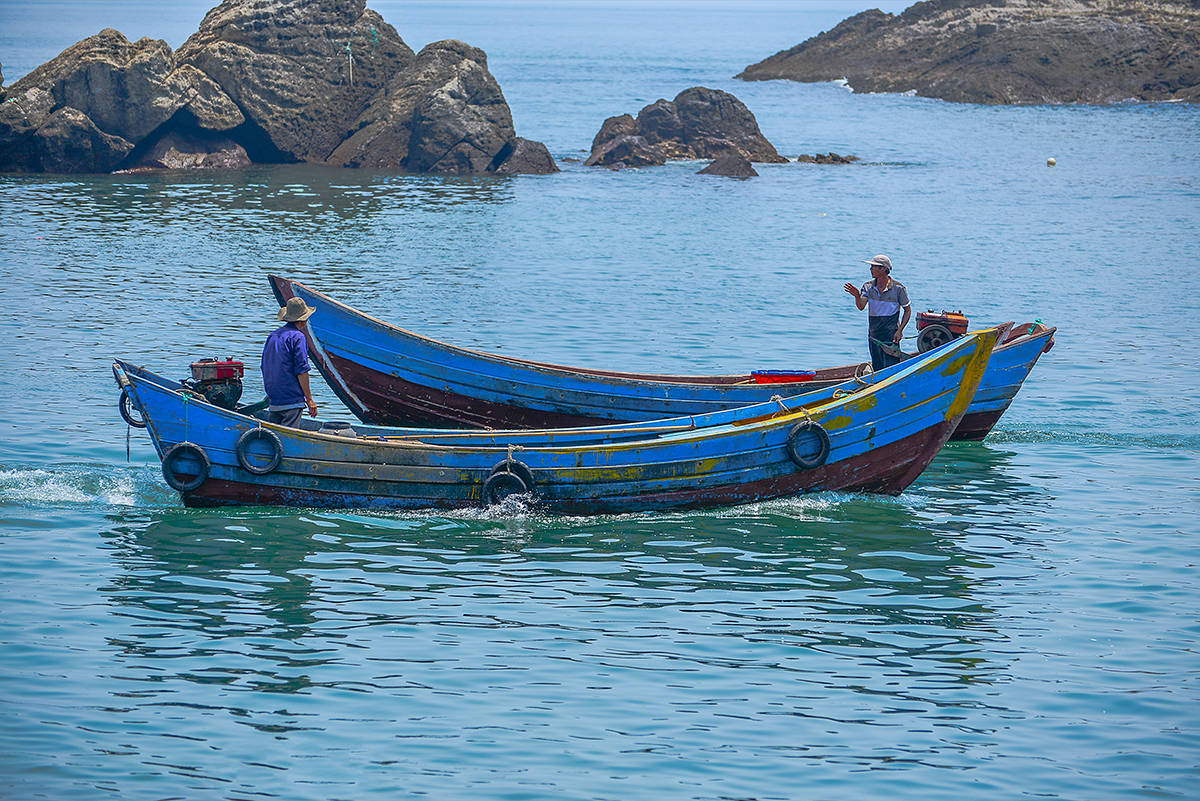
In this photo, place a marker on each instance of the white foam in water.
(122, 492)
(41, 486)
(70, 484)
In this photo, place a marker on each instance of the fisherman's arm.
(301, 366)
(903, 322)
(308, 398)
(860, 300)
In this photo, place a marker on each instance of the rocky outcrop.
(461, 122)
(271, 81)
(89, 104)
(731, 165)
(1009, 51)
(300, 71)
(827, 158)
(524, 158)
(613, 127)
(626, 150)
(201, 150)
(699, 123)
(67, 141)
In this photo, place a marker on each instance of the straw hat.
(295, 311)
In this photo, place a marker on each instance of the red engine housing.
(217, 370)
(954, 321)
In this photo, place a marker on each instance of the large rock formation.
(698, 124)
(316, 81)
(1009, 51)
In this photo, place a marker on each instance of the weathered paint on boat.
(390, 376)
(881, 438)
(1011, 363)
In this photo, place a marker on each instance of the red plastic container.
(782, 376)
(217, 370)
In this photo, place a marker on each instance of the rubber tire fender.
(250, 436)
(793, 445)
(177, 451)
(513, 466)
(126, 406)
(508, 477)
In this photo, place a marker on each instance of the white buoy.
(1050, 162)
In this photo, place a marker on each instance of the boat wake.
(80, 485)
(1001, 436)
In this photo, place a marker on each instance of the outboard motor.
(938, 328)
(220, 382)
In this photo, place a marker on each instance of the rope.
(128, 433)
(803, 409)
(862, 379)
(186, 402)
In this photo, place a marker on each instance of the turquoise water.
(1023, 622)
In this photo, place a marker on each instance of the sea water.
(1021, 622)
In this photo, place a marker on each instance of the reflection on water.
(983, 485)
(303, 200)
(290, 593)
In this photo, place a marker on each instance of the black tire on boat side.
(185, 450)
(268, 436)
(501, 485)
(128, 410)
(517, 468)
(799, 443)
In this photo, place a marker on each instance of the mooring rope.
(186, 402)
(803, 409)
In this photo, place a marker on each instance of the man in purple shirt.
(285, 366)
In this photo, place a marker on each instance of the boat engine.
(938, 328)
(219, 381)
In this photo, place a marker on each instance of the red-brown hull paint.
(974, 427)
(391, 401)
(888, 470)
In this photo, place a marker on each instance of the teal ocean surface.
(1022, 623)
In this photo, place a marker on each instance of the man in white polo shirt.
(886, 298)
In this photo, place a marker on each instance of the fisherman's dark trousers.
(287, 417)
(882, 329)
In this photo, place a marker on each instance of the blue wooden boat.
(876, 439)
(389, 376)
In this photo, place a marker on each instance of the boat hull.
(886, 471)
(389, 376)
(877, 440)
